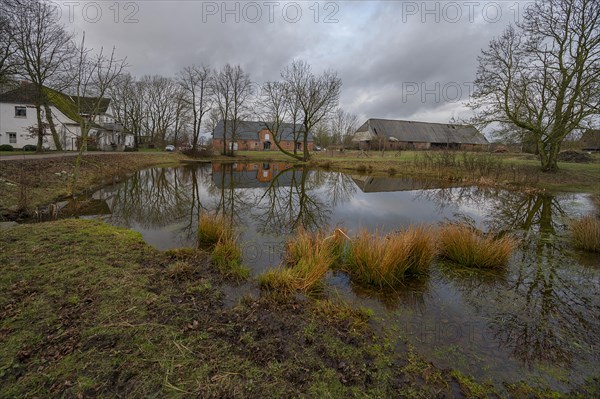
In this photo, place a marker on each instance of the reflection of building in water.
(370, 184)
(249, 175)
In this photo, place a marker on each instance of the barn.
(411, 135)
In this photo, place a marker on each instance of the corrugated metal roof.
(248, 130)
(419, 132)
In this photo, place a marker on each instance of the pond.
(537, 320)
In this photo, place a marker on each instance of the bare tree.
(161, 94)
(316, 96)
(42, 47)
(127, 96)
(8, 59)
(272, 109)
(343, 126)
(232, 91)
(544, 75)
(210, 123)
(196, 83)
(92, 75)
(182, 117)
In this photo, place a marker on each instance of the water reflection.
(543, 308)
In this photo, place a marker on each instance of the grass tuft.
(213, 228)
(227, 256)
(467, 246)
(586, 233)
(309, 256)
(386, 260)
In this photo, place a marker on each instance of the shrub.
(469, 247)
(309, 256)
(361, 168)
(227, 256)
(130, 149)
(386, 260)
(392, 171)
(586, 233)
(213, 228)
(6, 147)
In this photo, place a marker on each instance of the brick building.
(254, 136)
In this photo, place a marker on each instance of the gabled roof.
(248, 130)
(27, 94)
(419, 132)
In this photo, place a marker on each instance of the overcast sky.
(397, 59)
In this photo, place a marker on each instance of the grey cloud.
(374, 47)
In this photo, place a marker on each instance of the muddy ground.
(90, 310)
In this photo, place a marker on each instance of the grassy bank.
(91, 310)
(506, 170)
(31, 182)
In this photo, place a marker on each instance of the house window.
(12, 138)
(298, 146)
(267, 136)
(20, 112)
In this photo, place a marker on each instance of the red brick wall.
(258, 145)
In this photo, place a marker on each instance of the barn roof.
(248, 130)
(419, 132)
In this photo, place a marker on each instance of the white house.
(18, 119)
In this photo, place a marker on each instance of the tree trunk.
(224, 137)
(50, 120)
(306, 154)
(549, 158)
(40, 128)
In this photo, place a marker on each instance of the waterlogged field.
(535, 319)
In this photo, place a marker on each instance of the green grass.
(16, 152)
(585, 233)
(227, 256)
(466, 246)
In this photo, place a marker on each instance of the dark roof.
(419, 132)
(248, 130)
(27, 94)
(590, 139)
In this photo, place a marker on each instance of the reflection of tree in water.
(152, 198)
(233, 201)
(455, 196)
(534, 212)
(198, 177)
(544, 309)
(337, 187)
(550, 309)
(283, 207)
(301, 198)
